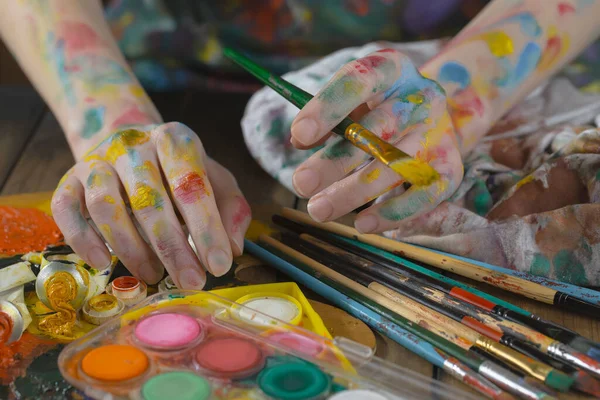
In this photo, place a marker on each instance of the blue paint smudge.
(410, 81)
(57, 57)
(455, 73)
(99, 71)
(527, 23)
(134, 156)
(94, 119)
(526, 64)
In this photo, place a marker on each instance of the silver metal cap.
(17, 319)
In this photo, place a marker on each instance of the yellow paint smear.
(417, 172)
(61, 289)
(109, 199)
(121, 141)
(144, 196)
(524, 181)
(371, 176)
(499, 43)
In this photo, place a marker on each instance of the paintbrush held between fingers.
(413, 170)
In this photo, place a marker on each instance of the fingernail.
(191, 279)
(149, 274)
(239, 247)
(305, 131)
(306, 181)
(219, 261)
(366, 224)
(98, 258)
(320, 208)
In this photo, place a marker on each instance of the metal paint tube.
(97, 279)
(12, 299)
(55, 267)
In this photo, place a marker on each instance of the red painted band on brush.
(472, 298)
(481, 328)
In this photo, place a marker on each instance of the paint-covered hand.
(388, 96)
(158, 172)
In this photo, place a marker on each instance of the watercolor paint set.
(197, 345)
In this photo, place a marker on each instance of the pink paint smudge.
(78, 37)
(242, 215)
(131, 116)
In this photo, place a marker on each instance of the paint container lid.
(294, 381)
(129, 289)
(168, 331)
(166, 285)
(360, 394)
(229, 357)
(11, 322)
(101, 308)
(115, 363)
(49, 271)
(276, 305)
(297, 342)
(182, 385)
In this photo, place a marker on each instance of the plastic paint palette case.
(193, 345)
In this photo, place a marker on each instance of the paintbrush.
(413, 170)
(386, 327)
(383, 306)
(366, 272)
(503, 281)
(452, 287)
(440, 324)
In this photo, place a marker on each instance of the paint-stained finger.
(137, 167)
(340, 157)
(352, 192)
(67, 205)
(107, 209)
(182, 158)
(233, 207)
(353, 85)
(414, 202)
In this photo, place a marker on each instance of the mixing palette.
(197, 345)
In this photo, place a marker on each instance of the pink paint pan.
(168, 331)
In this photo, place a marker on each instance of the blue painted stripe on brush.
(352, 307)
(585, 294)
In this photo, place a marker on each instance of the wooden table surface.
(34, 155)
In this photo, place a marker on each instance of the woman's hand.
(159, 172)
(390, 98)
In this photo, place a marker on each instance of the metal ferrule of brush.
(512, 357)
(511, 383)
(571, 356)
(463, 373)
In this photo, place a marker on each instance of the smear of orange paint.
(190, 188)
(17, 356)
(26, 229)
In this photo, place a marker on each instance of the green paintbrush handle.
(294, 94)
